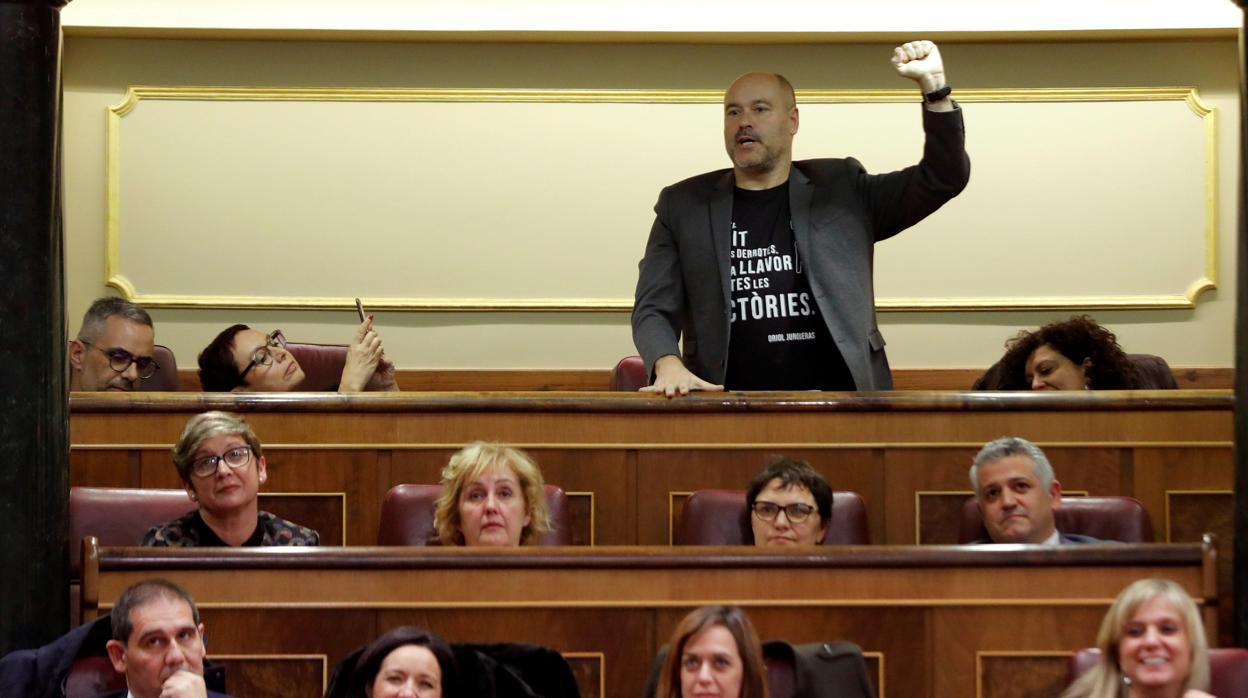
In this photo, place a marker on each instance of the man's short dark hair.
(790, 472)
(217, 372)
(142, 594)
(102, 309)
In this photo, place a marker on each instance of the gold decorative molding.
(115, 278)
(601, 658)
(593, 512)
(671, 512)
(675, 446)
(880, 673)
(599, 603)
(137, 93)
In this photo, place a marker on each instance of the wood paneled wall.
(934, 621)
(626, 460)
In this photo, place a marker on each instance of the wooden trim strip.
(602, 666)
(476, 380)
(630, 403)
(882, 673)
(546, 603)
(700, 446)
(653, 557)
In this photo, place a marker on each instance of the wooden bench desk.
(933, 620)
(629, 460)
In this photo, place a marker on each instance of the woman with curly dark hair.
(1075, 354)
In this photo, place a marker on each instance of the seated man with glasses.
(222, 467)
(790, 504)
(241, 359)
(114, 347)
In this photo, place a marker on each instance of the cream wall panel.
(420, 203)
(98, 72)
(380, 181)
(1086, 175)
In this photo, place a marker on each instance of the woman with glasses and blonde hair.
(492, 495)
(222, 467)
(241, 359)
(1152, 644)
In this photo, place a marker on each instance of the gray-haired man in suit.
(1018, 493)
(764, 271)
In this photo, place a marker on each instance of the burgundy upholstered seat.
(165, 379)
(407, 516)
(322, 364)
(118, 516)
(1121, 519)
(629, 374)
(115, 516)
(719, 517)
(1228, 669)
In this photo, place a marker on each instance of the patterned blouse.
(190, 531)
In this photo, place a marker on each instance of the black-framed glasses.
(119, 360)
(236, 458)
(795, 512)
(264, 355)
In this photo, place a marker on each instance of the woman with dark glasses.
(222, 467)
(790, 503)
(241, 359)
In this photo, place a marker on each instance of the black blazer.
(838, 212)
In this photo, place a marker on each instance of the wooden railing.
(933, 620)
(629, 460)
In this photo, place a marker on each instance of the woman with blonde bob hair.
(492, 495)
(714, 651)
(1152, 643)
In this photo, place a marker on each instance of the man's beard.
(762, 162)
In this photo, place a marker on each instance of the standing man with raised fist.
(764, 271)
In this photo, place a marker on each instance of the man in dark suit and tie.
(158, 643)
(764, 271)
(1018, 493)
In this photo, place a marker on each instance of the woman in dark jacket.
(404, 663)
(468, 670)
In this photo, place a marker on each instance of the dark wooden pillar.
(1241, 356)
(34, 421)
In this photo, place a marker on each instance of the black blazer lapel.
(800, 193)
(721, 231)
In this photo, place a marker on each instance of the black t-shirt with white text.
(778, 340)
